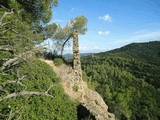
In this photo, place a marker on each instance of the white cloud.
(106, 18)
(104, 33)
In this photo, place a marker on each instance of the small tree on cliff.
(63, 35)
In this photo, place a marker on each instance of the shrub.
(40, 76)
(58, 61)
(75, 88)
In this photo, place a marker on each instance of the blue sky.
(111, 23)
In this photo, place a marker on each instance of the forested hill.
(146, 52)
(126, 79)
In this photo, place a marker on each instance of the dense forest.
(146, 52)
(128, 79)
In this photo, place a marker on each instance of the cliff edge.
(79, 91)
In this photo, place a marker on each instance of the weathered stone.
(76, 57)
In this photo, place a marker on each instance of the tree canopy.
(40, 9)
(63, 35)
(22, 26)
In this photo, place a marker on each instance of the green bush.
(75, 88)
(58, 61)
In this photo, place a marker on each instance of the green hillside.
(129, 84)
(39, 78)
(147, 52)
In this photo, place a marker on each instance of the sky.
(111, 23)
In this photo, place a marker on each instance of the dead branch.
(5, 91)
(2, 32)
(18, 81)
(4, 15)
(49, 89)
(17, 59)
(25, 93)
(4, 38)
(13, 81)
(8, 23)
(6, 48)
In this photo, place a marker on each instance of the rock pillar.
(76, 57)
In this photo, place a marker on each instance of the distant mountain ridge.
(70, 56)
(147, 52)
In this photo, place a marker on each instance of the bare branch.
(6, 48)
(2, 32)
(4, 15)
(10, 22)
(25, 93)
(17, 59)
(5, 91)
(49, 89)
(13, 81)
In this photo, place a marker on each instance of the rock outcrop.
(76, 58)
(79, 91)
